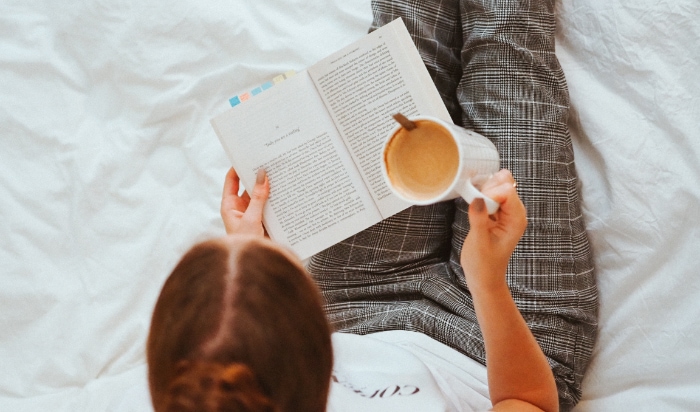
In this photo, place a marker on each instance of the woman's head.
(239, 323)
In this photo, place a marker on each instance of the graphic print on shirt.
(375, 393)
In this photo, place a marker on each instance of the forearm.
(514, 91)
(516, 366)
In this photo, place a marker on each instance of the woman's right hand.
(243, 214)
(492, 239)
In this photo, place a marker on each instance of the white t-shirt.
(403, 371)
(385, 371)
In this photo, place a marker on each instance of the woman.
(455, 268)
(239, 324)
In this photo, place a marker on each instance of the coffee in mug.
(436, 161)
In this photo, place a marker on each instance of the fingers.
(231, 184)
(500, 186)
(229, 199)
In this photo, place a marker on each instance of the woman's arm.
(517, 368)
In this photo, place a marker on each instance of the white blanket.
(109, 171)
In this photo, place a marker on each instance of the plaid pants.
(493, 63)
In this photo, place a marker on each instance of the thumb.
(261, 191)
(478, 215)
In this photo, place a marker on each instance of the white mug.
(438, 161)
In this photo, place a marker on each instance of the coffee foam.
(422, 163)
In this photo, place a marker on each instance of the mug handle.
(469, 193)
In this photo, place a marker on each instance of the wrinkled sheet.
(109, 171)
(632, 70)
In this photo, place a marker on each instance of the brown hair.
(242, 333)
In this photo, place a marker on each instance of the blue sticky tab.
(256, 91)
(235, 101)
(266, 85)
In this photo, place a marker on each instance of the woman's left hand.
(243, 214)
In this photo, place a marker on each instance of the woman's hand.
(243, 214)
(492, 239)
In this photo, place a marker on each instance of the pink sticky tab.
(244, 97)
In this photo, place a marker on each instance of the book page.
(363, 85)
(317, 197)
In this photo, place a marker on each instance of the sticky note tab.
(236, 100)
(289, 74)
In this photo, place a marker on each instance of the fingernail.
(260, 179)
(478, 205)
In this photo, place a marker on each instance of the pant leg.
(435, 30)
(513, 91)
(395, 275)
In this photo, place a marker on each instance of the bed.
(110, 170)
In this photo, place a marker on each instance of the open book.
(319, 136)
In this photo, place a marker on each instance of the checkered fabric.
(494, 65)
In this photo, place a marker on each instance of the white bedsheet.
(109, 171)
(632, 69)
